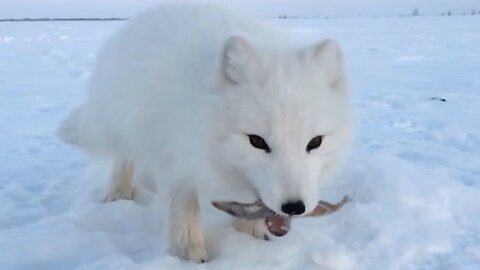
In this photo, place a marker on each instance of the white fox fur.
(180, 88)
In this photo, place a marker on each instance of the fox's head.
(282, 121)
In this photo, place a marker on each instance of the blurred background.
(266, 8)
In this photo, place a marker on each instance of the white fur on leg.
(121, 185)
(185, 228)
(255, 228)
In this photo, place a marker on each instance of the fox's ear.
(238, 60)
(327, 58)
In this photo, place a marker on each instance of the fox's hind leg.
(121, 183)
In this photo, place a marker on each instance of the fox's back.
(153, 79)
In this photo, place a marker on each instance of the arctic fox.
(199, 95)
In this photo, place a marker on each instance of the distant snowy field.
(415, 166)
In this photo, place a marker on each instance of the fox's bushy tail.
(70, 130)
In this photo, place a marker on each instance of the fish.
(277, 224)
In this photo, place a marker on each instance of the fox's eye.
(259, 142)
(314, 143)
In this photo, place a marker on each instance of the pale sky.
(126, 8)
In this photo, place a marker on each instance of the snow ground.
(415, 167)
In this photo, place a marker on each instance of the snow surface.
(415, 167)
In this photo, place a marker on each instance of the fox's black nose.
(293, 208)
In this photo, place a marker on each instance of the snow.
(415, 167)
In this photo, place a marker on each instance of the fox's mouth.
(276, 223)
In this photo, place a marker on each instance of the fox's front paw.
(255, 228)
(192, 250)
(197, 253)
